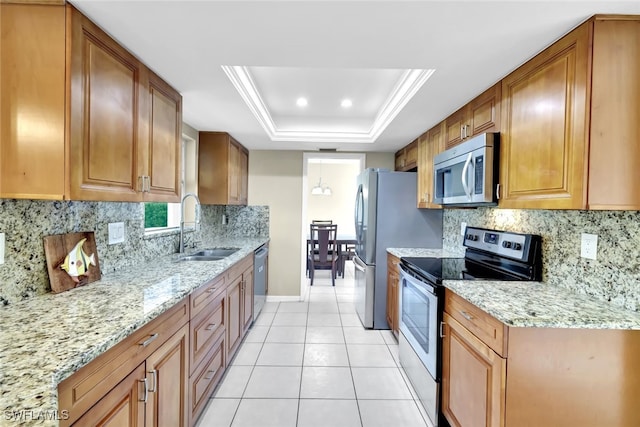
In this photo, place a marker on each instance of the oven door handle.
(421, 286)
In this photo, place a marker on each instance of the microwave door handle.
(465, 175)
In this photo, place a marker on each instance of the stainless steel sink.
(217, 252)
(214, 254)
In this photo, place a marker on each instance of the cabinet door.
(162, 152)
(543, 146)
(473, 379)
(244, 176)
(32, 162)
(400, 160)
(614, 151)
(393, 279)
(123, 406)
(234, 173)
(247, 298)
(453, 124)
(104, 123)
(431, 144)
(234, 313)
(167, 376)
(484, 112)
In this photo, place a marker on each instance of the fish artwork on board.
(77, 262)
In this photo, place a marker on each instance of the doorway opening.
(329, 184)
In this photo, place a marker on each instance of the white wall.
(338, 207)
(275, 180)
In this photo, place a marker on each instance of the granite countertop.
(46, 339)
(532, 304)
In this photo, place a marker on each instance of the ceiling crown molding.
(407, 86)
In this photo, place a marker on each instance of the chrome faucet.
(197, 221)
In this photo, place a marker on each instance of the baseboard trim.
(284, 298)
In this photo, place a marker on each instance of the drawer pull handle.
(149, 340)
(155, 381)
(466, 315)
(211, 326)
(210, 290)
(442, 329)
(146, 391)
(212, 373)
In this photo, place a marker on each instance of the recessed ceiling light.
(346, 103)
(301, 102)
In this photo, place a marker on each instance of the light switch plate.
(1, 248)
(589, 246)
(116, 232)
(463, 228)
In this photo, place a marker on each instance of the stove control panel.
(504, 243)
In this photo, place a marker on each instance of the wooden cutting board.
(56, 249)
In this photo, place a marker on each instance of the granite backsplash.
(26, 222)
(614, 276)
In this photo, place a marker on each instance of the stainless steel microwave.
(467, 174)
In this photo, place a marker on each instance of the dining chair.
(323, 252)
(347, 253)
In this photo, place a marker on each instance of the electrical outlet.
(1, 248)
(589, 246)
(116, 232)
(463, 228)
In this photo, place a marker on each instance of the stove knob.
(506, 244)
(517, 246)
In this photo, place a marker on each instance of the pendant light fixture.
(319, 190)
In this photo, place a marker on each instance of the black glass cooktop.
(438, 269)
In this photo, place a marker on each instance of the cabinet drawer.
(84, 388)
(206, 328)
(237, 270)
(488, 329)
(202, 382)
(206, 293)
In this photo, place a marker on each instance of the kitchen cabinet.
(393, 288)
(161, 348)
(473, 378)
(101, 126)
(406, 158)
(480, 115)
(207, 338)
(125, 127)
(494, 375)
(569, 140)
(223, 169)
(239, 302)
(32, 105)
(431, 143)
(168, 369)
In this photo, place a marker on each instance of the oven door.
(419, 319)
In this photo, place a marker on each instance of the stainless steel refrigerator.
(386, 216)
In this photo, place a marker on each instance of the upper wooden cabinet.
(570, 132)
(223, 169)
(407, 157)
(430, 144)
(480, 115)
(86, 114)
(32, 76)
(125, 128)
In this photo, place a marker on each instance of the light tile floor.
(312, 364)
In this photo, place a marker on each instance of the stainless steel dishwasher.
(260, 279)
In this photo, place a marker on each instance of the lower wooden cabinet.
(166, 387)
(123, 406)
(163, 373)
(473, 385)
(494, 375)
(393, 287)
